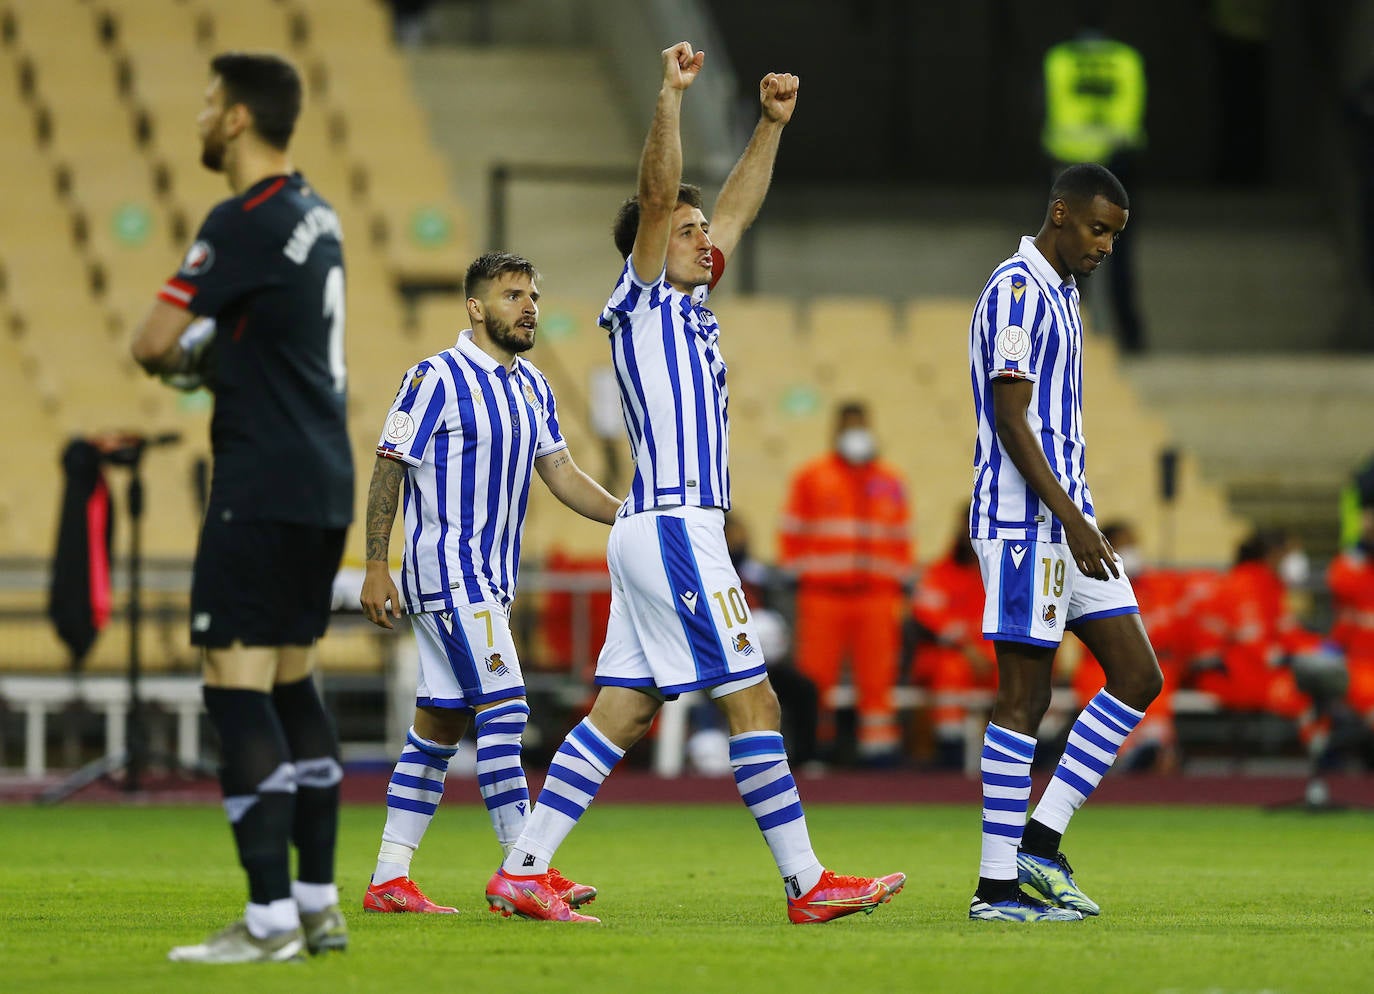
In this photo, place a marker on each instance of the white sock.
(578, 770)
(1006, 767)
(412, 798)
(266, 920)
(766, 786)
(500, 777)
(312, 898)
(1094, 741)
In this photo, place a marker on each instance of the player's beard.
(212, 148)
(504, 334)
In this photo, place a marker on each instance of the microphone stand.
(126, 451)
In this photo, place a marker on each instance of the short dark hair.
(268, 85)
(489, 265)
(1082, 183)
(627, 218)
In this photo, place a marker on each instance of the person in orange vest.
(1249, 632)
(1351, 581)
(845, 540)
(951, 655)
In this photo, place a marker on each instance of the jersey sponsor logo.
(1050, 615)
(742, 644)
(1018, 553)
(1013, 344)
(400, 428)
(199, 258)
(496, 666)
(690, 599)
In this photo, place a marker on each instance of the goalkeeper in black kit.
(256, 314)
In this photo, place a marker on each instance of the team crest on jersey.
(495, 666)
(530, 395)
(199, 258)
(400, 428)
(742, 644)
(1013, 344)
(1050, 612)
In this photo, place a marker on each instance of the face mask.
(1131, 560)
(856, 445)
(1294, 569)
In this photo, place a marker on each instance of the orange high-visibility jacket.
(846, 527)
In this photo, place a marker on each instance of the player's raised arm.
(660, 163)
(570, 484)
(382, 498)
(746, 186)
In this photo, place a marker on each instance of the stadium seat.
(243, 25)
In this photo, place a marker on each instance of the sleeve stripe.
(176, 291)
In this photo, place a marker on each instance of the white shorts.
(1035, 590)
(467, 657)
(678, 617)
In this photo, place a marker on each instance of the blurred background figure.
(1351, 581)
(1250, 633)
(1095, 112)
(951, 655)
(845, 540)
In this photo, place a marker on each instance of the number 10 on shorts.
(732, 606)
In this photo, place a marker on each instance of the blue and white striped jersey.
(672, 393)
(469, 431)
(1026, 325)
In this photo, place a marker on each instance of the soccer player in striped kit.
(679, 621)
(1045, 564)
(466, 431)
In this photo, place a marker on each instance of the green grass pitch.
(1219, 901)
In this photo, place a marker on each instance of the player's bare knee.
(442, 725)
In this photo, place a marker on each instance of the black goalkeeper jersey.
(268, 267)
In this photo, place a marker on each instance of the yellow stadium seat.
(330, 24)
(242, 25)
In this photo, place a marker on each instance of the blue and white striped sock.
(412, 797)
(765, 784)
(579, 768)
(1094, 741)
(500, 777)
(1006, 769)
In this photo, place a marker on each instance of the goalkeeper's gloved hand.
(195, 343)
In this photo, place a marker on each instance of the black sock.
(993, 891)
(315, 751)
(1040, 840)
(259, 787)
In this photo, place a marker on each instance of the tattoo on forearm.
(382, 494)
(559, 461)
